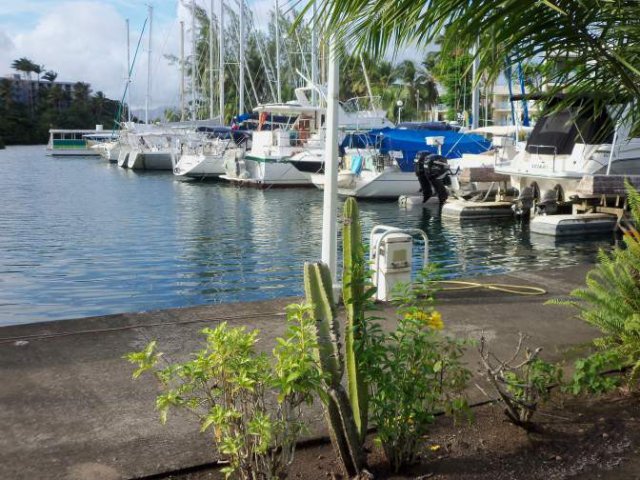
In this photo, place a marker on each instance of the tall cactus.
(340, 419)
(353, 293)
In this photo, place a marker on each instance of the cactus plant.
(353, 294)
(340, 418)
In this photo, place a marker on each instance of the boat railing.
(362, 104)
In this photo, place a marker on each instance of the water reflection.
(81, 237)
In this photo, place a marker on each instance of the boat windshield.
(559, 131)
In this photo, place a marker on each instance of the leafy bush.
(252, 404)
(522, 386)
(611, 303)
(413, 372)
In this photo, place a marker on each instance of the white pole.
(475, 97)
(194, 59)
(128, 74)
(211, 61)
(148, 99)
(277, 25)
(329, 220)
(182, 112)
(241, 61)
(314, 54)
(221, 58)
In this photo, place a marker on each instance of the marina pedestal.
(567, 225)
(462, 209)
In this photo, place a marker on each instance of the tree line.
(45, 104)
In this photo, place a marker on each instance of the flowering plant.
(414, 372)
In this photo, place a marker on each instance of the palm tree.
(25, 66)
(589, 46)
(50, 76)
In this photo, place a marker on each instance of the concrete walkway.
(70, 410)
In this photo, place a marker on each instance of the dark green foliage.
(611, 303)
(50, 107)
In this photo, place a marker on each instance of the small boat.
(202, 156)
(71, 142)
(367, 173)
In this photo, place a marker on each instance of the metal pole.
(194, 59)
(241, 58)
(182, 111)
(128, 74)
(148, 99)
(475, 97)
(277, 25)
(329, 220)
(221, 58)
(211, 61)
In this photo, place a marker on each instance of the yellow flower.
(435, 321)
(434, 448)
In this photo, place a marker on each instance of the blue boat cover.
(410, 142)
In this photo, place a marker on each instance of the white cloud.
(86, 41)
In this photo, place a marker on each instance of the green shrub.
(413, 372)
(522, 383)
(611, 303)
(251, 403)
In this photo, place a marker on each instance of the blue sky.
(84, 40)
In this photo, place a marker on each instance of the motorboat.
(566, 145)
(294, 132)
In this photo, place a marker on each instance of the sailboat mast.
(314, 54)
(148, 99)
(221, 58)
(182, 112)
(128, 74)
(241, 60)
(211, 61)
(194, 60)
(277, 25)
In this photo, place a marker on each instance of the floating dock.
(464, 209)
(568, 225)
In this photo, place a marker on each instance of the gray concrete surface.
(70, 410)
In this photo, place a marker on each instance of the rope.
(499, 287)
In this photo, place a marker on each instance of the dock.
(70, 409)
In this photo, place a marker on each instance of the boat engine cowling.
(434, 175)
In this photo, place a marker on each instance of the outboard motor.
(433, 173)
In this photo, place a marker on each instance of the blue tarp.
(410, 142)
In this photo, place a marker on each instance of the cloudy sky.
(85, 40)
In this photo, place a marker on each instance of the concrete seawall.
(70, 410)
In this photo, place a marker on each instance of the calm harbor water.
(81, 237)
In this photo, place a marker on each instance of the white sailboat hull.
(266, 172)
(199, 166)
(390, 183)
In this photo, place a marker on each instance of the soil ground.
(585, 438)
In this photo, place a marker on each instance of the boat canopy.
(410, 142)
(558, 131)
